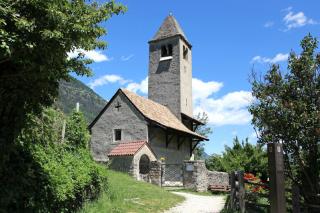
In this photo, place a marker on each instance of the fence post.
(241, 191)
(63, 132)
(161, 173)
(276, 171)
(233, 190)
(295, 198)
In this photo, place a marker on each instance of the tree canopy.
(205, 131)
(287, 110)
(241, 156)
(35, 37)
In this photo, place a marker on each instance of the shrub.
(51, 175)
(241, 156)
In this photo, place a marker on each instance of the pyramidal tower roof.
(170, 27)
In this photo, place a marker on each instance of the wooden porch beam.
(180, 141)
(195, 127)
(168, 139)
(197, 142)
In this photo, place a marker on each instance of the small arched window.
(144, 164)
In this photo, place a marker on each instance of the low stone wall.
(195, 175)
(218, 178)
(155, 173)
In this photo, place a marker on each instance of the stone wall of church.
(171, 154)
(132, 125)
(136, 160)
(186, 79)
(164, 76)
(122, 164)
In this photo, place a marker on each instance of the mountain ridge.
(73, 91)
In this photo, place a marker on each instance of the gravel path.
(198, 204)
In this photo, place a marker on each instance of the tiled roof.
(194, 120)
(127, 148)
(170, 27)
(158, 113)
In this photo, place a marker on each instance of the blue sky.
(229, 38)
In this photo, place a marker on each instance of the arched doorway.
(144, 164)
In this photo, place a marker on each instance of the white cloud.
(139, 87)
(278, 58)
(106, 79)
(201, 90)
(126, 58)
(227, 110)
(231, 109)
(268, 24)
(95, 55)
(295, 20)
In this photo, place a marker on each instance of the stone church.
(132, 130)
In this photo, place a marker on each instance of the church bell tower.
(170, 68)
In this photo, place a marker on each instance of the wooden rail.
(276, 187)
(296, 206)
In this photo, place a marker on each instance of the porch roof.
(128, 148)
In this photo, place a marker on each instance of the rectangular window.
(117, 134)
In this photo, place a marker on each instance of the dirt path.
(198, 204)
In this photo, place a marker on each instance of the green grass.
(128, 195)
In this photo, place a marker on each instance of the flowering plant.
(249, 177)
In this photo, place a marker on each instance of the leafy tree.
(241, 156)
(287, 110)
(35, 37)
(77, 134)
(203, 130)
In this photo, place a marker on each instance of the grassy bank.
(127, 195)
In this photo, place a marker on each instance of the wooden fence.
(246, 200)
(278, 198)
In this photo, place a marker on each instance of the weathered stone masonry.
(132, 124)
(197, 177)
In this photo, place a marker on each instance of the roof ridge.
(162, 115)
(129, 148)
(147, 99)
(169, 27)
(134, 141)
